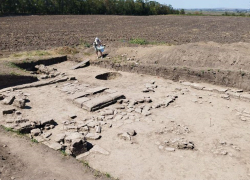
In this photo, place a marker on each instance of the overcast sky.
(187, 4)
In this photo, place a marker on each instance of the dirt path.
(23, 160)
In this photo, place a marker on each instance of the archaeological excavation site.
(162, 111)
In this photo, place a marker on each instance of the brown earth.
(43, 32)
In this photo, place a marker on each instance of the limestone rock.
(130, 132)
(72, 136)
(35, 132)
(59, 137)
(98, 129)
(169, 149)
(55, 146)
(93, 136)
(8, 100)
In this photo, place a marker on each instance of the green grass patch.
(34, 140)
(11, 130)
(63, 152)
(139, 41)
(85, 163)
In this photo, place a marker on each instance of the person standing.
(97, 44)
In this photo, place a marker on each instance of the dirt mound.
(194, 55)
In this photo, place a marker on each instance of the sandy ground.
(214, 126)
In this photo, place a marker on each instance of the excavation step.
(102, 101)
(82, 64)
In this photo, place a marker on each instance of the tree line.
(111, 7)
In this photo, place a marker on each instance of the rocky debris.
(130, 132)
(185, 145)
(107, 112)
(8, 100)
(72, 136)
(98, 129)
(243, 115)
(245, 97)
(197, 86)
(174, 128)
(46, 134)
(125, 136)
(47, 72)
(150, 87)
(53, 145)
(35, 132)
(169, 149)
(92, 136)
(25, 127)
(81, 64)
(59, 137)
(20, 103)
(177, 143)
(72, 116)
(8, 111)
(225, 96)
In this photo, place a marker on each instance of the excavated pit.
(108, 76)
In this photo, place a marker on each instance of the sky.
(191, 4)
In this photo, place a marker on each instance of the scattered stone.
(46, 134)
(8, 111)
(185, 145)
(107, 112)
(59, 137)
(8, 100)
(19, 103)
(55, 146)
(24, 127)
(225, 96)
(196, 86)
(72, 116)
(72, 136)
(130, 132)
(18, 113)
(138, 110)
(125, 136)
(98, 129)
(35, 132)
(71, 78)
(118, 117)
(161, 147)
(170, 149)
(148, 99)
(93, 136)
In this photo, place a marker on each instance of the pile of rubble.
(173, 144)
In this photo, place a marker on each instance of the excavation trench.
(228, 78)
